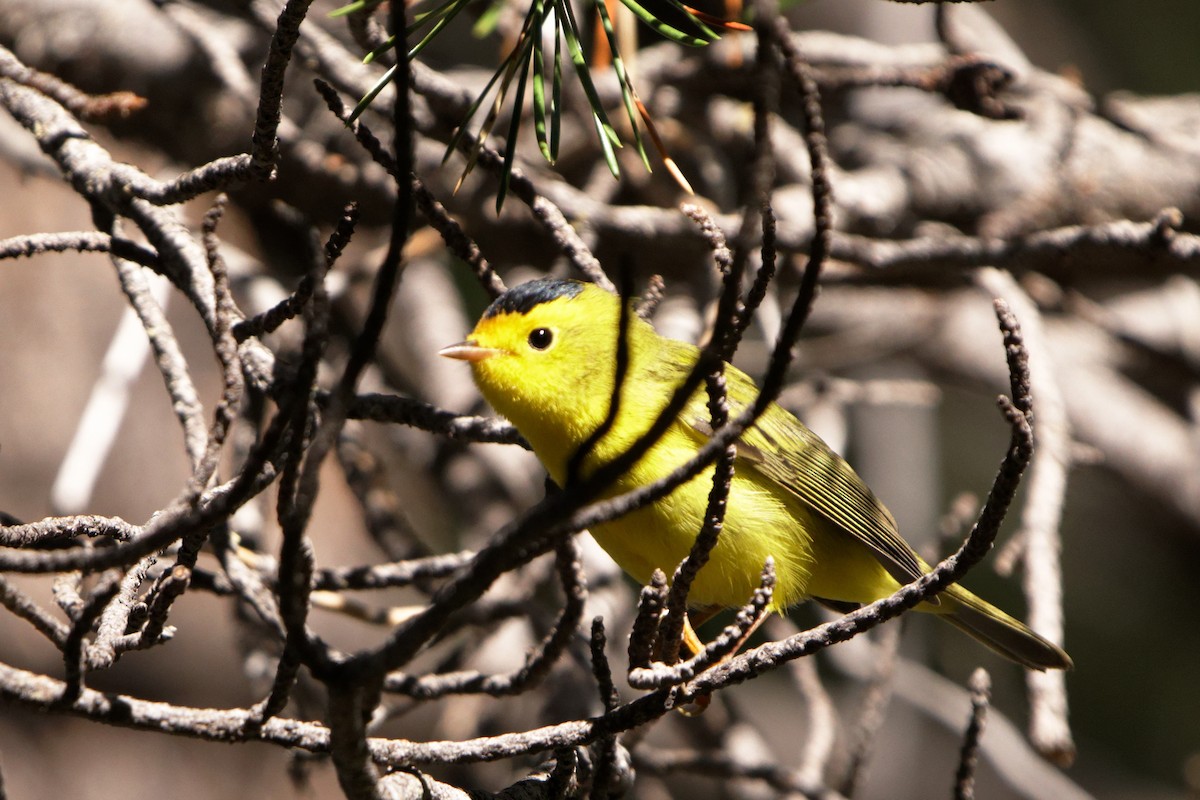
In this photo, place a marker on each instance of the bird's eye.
(540, 338)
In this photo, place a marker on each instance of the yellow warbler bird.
(544, 356)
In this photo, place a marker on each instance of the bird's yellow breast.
(757, 526)
(761, 520)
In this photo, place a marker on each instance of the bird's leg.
(694, 645)
(692, 642)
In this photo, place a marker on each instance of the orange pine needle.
(668, 162)
(717, 22)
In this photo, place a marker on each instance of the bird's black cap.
(522, 299)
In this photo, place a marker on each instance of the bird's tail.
(989, 625)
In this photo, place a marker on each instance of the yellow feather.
(544, 356)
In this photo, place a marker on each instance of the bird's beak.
(468, 351)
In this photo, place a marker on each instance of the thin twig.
(264, 151)
(1041, 518)
(73, 647)
(710, 529)
(862, 737)
(822, 721)
(968, 757)
(537, 663)
(59, 531)
(34, 244)
(24, 607)
(94, 108)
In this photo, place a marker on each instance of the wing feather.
(787, 452)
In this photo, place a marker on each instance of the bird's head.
(543, 355)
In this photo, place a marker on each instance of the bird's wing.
(788, 453)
